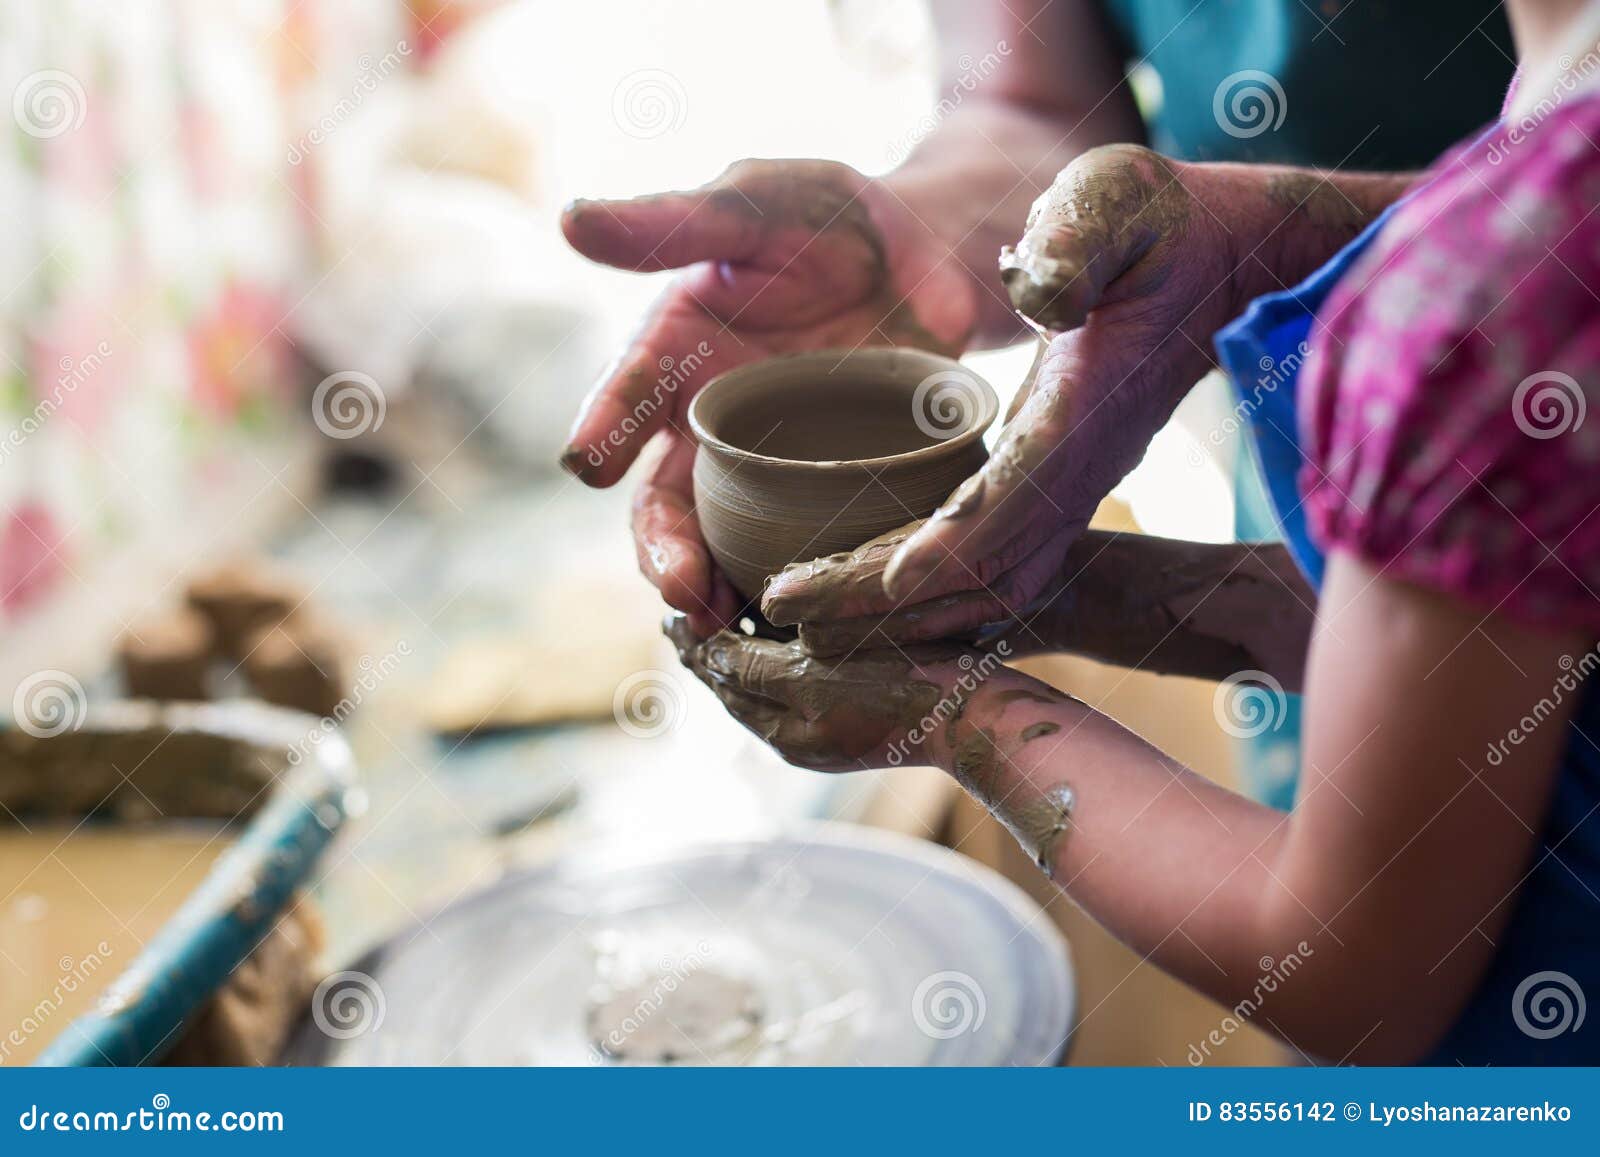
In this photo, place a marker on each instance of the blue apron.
(1531, 1006)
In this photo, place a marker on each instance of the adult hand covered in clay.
(1206, 610)
(777, 257)
(1133, 261)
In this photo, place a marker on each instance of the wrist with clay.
(1005, 744)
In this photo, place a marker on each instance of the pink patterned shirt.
(1446, 408)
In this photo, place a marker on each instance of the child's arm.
(1165, 605)
(1389, 881)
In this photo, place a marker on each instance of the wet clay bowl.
(816, 453)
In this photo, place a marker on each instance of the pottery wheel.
(840, 946)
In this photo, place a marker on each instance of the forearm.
(1131, 600)
(1287, 221)
(973, 179)
(1024, 88)
(1176, 867)
(1171, 607)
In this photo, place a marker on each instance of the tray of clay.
(232, 803)
(831, 945)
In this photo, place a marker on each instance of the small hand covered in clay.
(1133, 261)
(866, 710)
(994, 729)
(778, 257)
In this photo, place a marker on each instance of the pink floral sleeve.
(1450, 412)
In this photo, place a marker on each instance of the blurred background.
(284, 307)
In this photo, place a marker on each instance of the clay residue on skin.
(976, 766)
(803, 589)
(1180, 608)
(967, 498)
(1311, 196)
(823, 715)
(1028, 695)
(1102, 212)
(1040, 824)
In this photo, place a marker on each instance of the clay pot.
(816, 453)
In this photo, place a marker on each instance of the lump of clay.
(240, 599)
(694, 1017)
(296, 664)
(135, 761)
(167, 656)
(248, 1019)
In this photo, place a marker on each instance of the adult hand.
(777, 257)
(1127, 259)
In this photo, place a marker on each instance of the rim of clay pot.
(836, 361)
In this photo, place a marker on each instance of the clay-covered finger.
(1073, 440)
(992, 522)
(837, 586)
(1007, 601)
(1099, 217)
(942, 618)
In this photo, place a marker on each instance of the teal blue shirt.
(1366, 84)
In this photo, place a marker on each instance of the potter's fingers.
(1006, 602)
(1025, 391)
(666, 533)
(941, 618)
(665, 230)
(722, 608)
(676, 350)
(993, 521)
(1055, 461)
(953, 615)
(840, 586)
(1088, 228)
